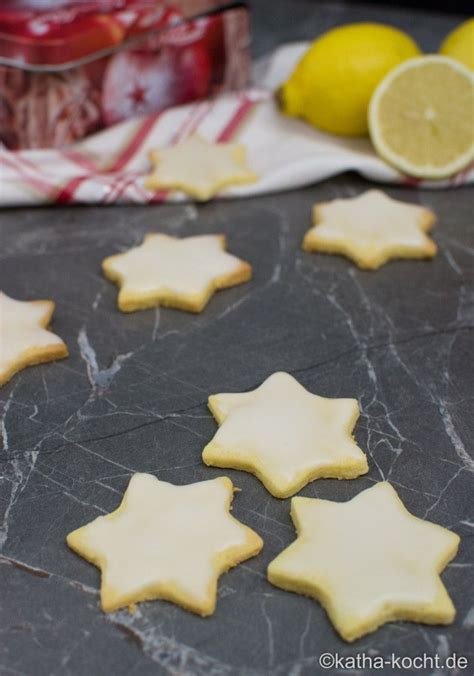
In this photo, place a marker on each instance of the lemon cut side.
(421, 117)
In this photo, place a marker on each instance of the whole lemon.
(459, 44)
(332, 85)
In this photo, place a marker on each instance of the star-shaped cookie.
(367, 561)
(285, 435)
(180, 273)
(371, 229)
(166, 542)
(199, 168)
(24, 340)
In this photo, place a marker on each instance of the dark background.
(441, 5)
(400, 339)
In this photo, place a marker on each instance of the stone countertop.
(132, 397)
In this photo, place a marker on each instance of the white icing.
(371, 220)
(200, 167)
(21, 330)
(166, 535)
(284, 430)
(366, 555)
(165, 264)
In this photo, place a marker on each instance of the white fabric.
(285, 153)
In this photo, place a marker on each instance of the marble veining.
(132, 397)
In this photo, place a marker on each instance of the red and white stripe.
(93, 174)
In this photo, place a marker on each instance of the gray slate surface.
(132, 397)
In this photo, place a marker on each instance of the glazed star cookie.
(180, 273)
(24, 340)
(285, 435)
(166, 542)
(199, 168)
(371, 229)
(367, 561)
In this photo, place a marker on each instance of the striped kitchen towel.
(110, 166)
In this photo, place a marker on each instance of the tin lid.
(55, 34)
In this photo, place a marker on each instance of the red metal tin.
(76, 67)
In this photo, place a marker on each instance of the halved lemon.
(421, 117)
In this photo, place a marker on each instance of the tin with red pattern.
(68, 69)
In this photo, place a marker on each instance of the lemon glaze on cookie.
(169, 271)
(285, 435)
(24, 338)
(368, 561)
(371, 229)
(166, 542)
(199, 167)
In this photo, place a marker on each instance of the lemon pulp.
(421, 117)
